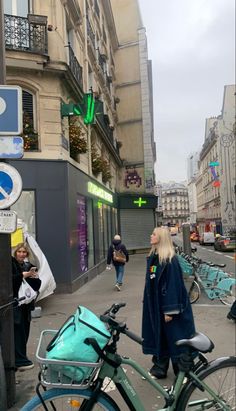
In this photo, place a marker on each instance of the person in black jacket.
(119, 266)
(22, 314)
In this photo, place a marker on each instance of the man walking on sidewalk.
(118, 255)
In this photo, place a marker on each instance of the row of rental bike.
(209, 277)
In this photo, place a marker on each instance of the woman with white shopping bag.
(27, 283)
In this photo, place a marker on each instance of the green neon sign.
(140, 202)
(86, 108)
(99, 192)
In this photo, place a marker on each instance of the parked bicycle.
(200, 385)
(209, 276)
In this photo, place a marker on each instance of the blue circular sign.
(6, 185)
(10, 185)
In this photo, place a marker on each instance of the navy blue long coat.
(165, 293)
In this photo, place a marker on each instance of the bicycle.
(199, 385)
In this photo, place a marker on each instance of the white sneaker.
(117, 287)
(25, 367)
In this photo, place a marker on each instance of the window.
(29, 133)
(16, 7)
(25, 209)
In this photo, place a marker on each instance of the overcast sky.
(191, 45)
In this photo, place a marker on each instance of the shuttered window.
(28, 106)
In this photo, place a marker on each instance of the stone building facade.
(61, 53)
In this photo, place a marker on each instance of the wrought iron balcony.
(26, 34)
(75, 67)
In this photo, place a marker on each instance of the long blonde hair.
(164, 248)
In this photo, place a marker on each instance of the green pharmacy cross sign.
(86, 108)
(140, 202)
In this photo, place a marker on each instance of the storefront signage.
(99, 192)
(140, 202)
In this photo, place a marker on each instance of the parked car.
(225, 243)
(207, 238)
(194, 237)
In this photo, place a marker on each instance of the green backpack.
(68, 344)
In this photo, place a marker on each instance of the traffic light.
(86, 108)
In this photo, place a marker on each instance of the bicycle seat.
(199, 342)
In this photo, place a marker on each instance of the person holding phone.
(23, 269)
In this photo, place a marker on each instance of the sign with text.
(8, 221)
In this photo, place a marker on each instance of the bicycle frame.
(171, 396)
(127, 390)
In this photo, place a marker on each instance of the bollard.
(186, 239)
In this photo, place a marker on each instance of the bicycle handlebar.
(14, 302)
(109, 318)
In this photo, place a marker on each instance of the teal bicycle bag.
(68, 344)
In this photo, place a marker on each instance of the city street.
(98, 295)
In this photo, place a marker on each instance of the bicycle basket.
(186, 267)
(54, 372)
(68, 344)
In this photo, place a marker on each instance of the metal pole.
(186, 239)
(6, 320)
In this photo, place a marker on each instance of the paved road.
(100, 293)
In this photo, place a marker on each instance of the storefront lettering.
(99, 192)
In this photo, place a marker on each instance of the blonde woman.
(23, 269)
(167, 313)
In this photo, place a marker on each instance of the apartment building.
(227, 160)
(207, 182)
(135, 126)
(65, 54)
(175, 204)
(216, 182)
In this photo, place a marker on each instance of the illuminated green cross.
(140, 202)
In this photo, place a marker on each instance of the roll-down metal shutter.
(136, 227)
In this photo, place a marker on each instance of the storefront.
(137, 219)
(72, 217)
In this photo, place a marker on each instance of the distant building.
(175, 203)
(192, 165)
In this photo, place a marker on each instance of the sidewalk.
(98, 295)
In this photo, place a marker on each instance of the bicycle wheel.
(194, 292)
(58, 399)
(220, 376)
(229, 298)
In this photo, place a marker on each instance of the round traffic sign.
(10, 185)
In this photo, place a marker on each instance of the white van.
(207, 238)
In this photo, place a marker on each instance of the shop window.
(25, 209)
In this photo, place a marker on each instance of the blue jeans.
(119, 273)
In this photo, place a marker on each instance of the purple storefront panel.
(82, 233)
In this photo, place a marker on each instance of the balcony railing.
(26, 33)
(75, 67)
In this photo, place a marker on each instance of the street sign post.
(8, 222)
(11, 147)
(10, 110)
(10, 185)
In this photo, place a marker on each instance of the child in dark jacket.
(119, 266)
